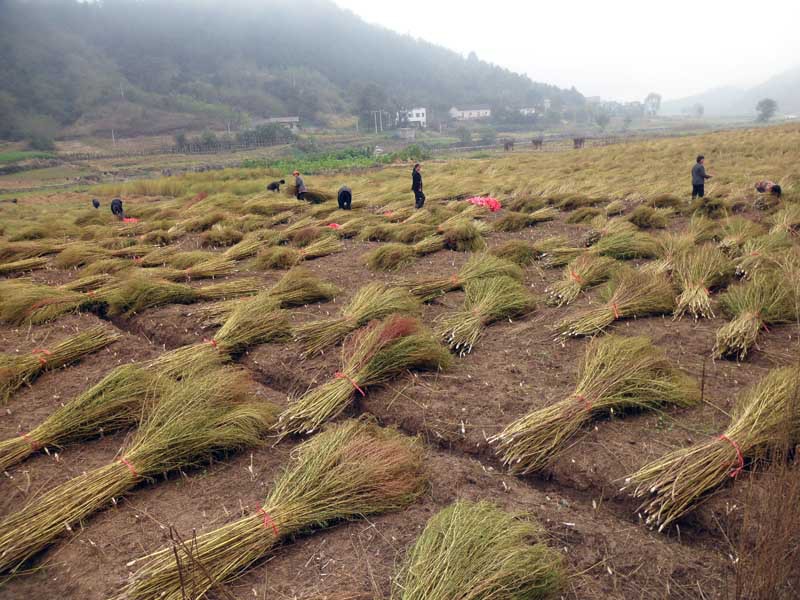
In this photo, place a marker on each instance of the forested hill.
(151, 64)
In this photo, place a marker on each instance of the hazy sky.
(618, 49)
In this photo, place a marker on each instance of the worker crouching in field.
(275, 186)
(116, 208)
(345, 197)
(416, 186)
(300, 186)
(769, 187)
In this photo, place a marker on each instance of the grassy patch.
(18, 155)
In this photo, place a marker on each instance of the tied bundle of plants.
(602, 226)
(583, 215)
(117, 401)
(766, 419)
(372, 301)
(786, 220)
(21, 250)
(647, 217)
(519, 252)
(371, 356)
(699, 272)
(487, 300)
(476, 551)
(582, 273)
(23, 301)
(248, 247)
(298, 287)
(138, 293)
(18, 369)
(735, 232)
(408, 233)
(515, 221)
(201, 416)
(20, 266)
(670, 247)
(630, 294)
(390, 257)
(616, 374)
(270, 207)
(353, 227)
(477, 267)
(627, 245)
(349, 470)
(767, 299)
(764, 251)
(78, 254)
(283, 257)
(314, 196)
(214, 267)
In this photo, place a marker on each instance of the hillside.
(154, 67)
(730, 101)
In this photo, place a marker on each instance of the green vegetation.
(349, 158)
(18, 155)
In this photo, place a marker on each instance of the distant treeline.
(126, 63)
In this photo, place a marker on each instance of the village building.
(470, 113)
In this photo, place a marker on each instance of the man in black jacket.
(416, 186)
(345, 197)
(699, 177)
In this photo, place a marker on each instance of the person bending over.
(345, 197)
(116, 208)
(769, 187)
(275, 186)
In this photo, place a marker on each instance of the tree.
(698, 110)
(652, 104)
(766, 109)
(602, 118)
(488, 136)
(180, 140)
(464, 136)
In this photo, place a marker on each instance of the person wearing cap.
(416, 186)
(699, 177)
(300, 186)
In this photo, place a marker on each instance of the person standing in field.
(300, 186)
(416, 186)
(699, 177)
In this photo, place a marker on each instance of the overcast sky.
(618, 49)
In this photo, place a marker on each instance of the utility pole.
(375, 120)
(121, 91)
(380, 114)
(113, 138)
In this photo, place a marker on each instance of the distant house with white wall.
(528, 111)
(470, 113)
(414, 116)
(290, 122)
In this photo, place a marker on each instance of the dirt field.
(516, 367)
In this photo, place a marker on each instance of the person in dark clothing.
(116, 208)
(275, 186)
(416, 186)
(699, 177)
(345, 197)
(300, 186)
(95, 202)
(769, 187)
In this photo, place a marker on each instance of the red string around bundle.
(212, 342)
(268, 522)
(455, 280)
(575, 277)
(585, 400)
(32, 442)
(739, 456)
(40, 352)
(615, 309)
(127, 463)
(340, 375)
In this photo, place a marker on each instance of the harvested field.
(520, 364)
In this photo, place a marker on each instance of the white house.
(290, 122)
(414, 116)
(469, 113)
(528, 112)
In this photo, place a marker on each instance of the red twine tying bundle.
(212, 342)
(455, 280)
(585, 400)
(575, 277)
(739, 456)
(268, 522)
(32, 442)
(615, 309)
(137, 259)
(40, 351)
(128, 464)
(340, 375)
(90, 293)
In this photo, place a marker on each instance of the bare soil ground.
(516, 367)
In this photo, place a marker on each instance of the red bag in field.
(493, 204)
